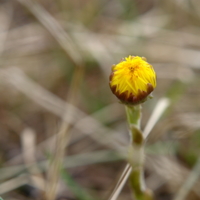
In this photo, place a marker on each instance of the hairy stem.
(136, 154)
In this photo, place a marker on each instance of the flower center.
(133, 72)
(131, 69)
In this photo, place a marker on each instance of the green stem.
(136, 154)
(133, 114)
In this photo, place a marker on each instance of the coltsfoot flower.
(132, 80)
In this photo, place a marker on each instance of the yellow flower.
(132, 80)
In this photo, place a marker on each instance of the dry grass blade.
(69, 162)
(189, 183)
(28, 146)
(55, 29)
(121, 182)
(13, 184)
(158, 111)
(28, 140)
(5, 20)
(19, 181)
(63, 138)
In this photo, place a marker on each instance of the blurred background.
(54, 54)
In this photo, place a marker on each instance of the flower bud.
(132, 80)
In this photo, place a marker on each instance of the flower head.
(132, 80)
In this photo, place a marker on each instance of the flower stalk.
(136, 154)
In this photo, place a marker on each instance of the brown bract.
(127, 98)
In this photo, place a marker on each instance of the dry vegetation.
(55, 62)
